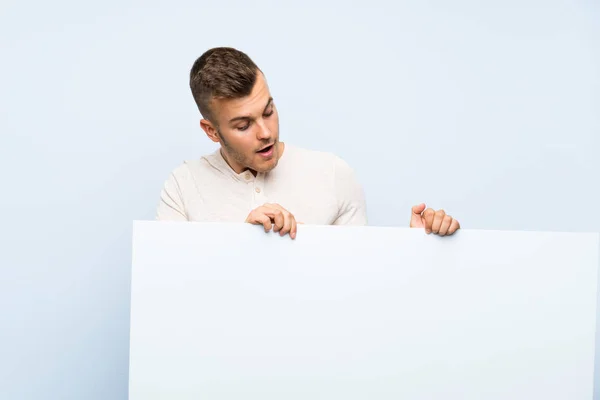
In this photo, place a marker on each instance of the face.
(247, 129)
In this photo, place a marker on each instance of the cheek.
(235, 141)
(274, 123)
(246, 143)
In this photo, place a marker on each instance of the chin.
(265, 167)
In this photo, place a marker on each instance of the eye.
(269, 113)
(243, 128)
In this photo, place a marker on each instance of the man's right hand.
(273, 216)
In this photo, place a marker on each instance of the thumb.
(418, 209)
(416, 220)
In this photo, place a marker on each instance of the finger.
(287, 218)
(287, 223)
(428, 219)
(278, 218)
(437, 221)
(446, 222)
(294, 229)
(418, 209)
(256, 213)
(454, 226)
(261, 219)
(416, 218)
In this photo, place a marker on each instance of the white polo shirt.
(318, 188)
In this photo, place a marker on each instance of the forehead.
(252, 104)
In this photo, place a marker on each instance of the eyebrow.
(245, 117)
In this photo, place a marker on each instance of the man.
(256, 178)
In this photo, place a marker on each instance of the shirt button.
(257, 190)
(247, 176)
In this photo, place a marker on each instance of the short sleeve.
(350, 196)
(171, 206)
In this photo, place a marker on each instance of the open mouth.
(265, 150)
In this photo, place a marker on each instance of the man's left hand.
(433, 221)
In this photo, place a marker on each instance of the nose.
(263, 132)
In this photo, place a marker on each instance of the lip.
(269, 145)
(268, 153)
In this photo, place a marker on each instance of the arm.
(350, 196)
(170, 206)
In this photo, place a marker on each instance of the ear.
(210, 130)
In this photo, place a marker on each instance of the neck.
(237, 169)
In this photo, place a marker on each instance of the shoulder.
(317, 158)
(182, 173)
(195, 169)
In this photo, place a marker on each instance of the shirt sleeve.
(171, 206)
(350, 196)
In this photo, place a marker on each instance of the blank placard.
(225, 311)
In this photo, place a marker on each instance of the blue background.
(486, 109)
